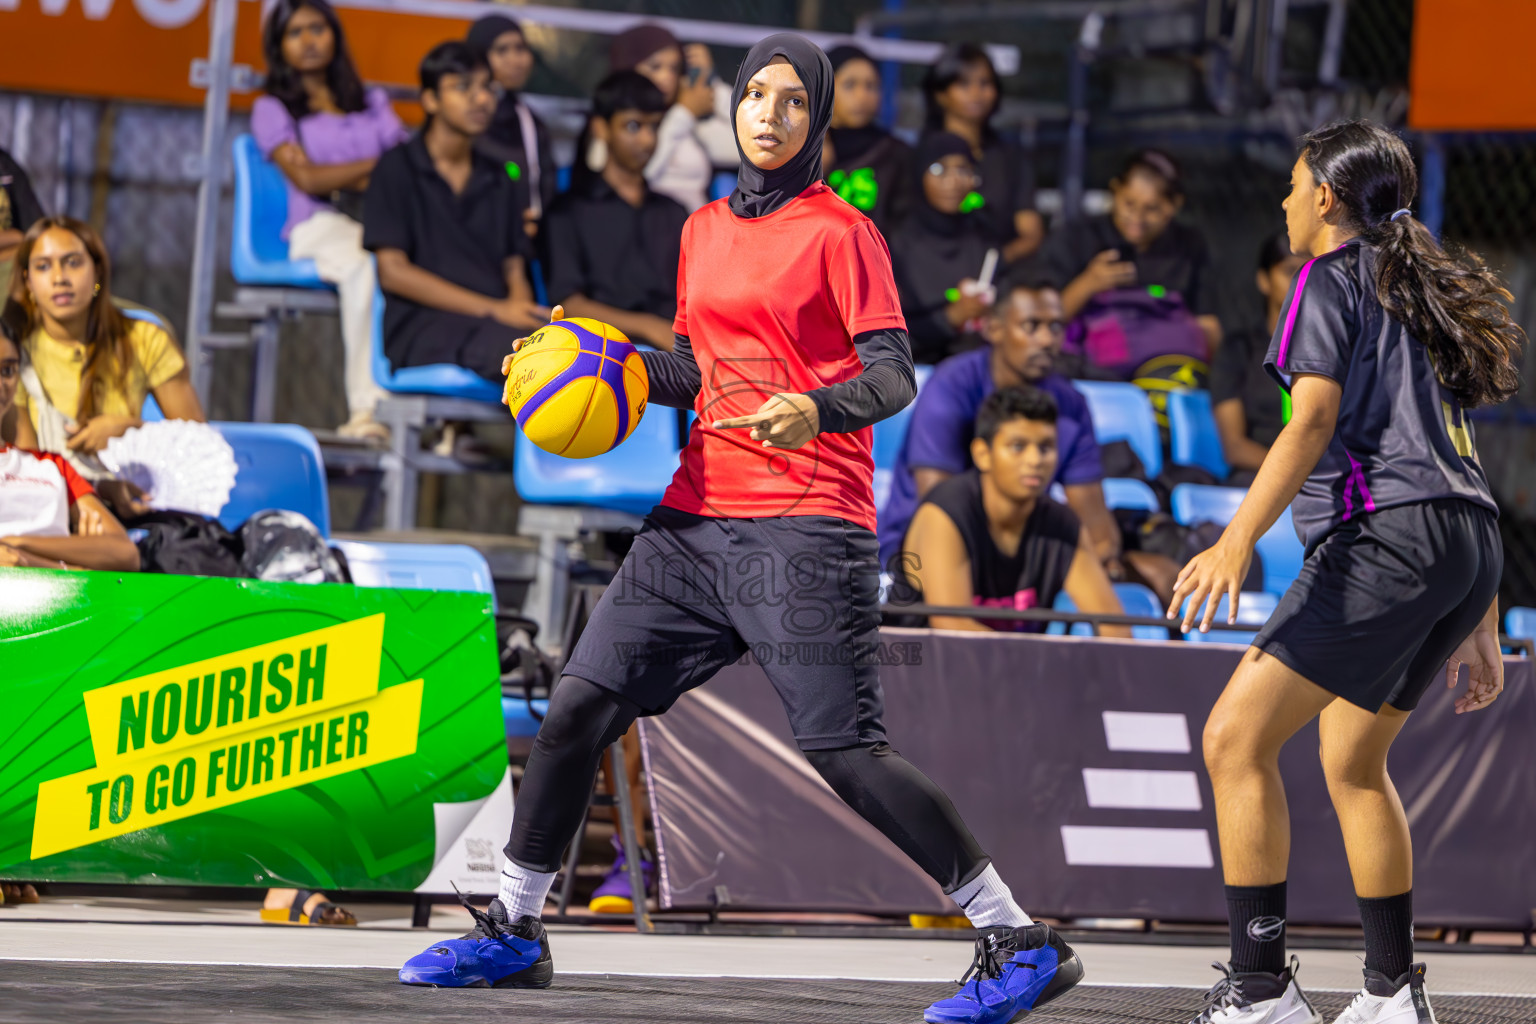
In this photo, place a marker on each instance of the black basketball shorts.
(698, 592)
(1385, 599)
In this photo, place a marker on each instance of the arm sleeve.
(384, 226)
(1056, 262)
(886, 385)
(674, 375)
(272, 126)
(1023, 197)
(1316, 329)
(565, 267)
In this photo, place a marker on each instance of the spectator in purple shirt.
(1025, 330)
(326, 132)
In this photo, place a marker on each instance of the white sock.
(523, 892)
(988, 902)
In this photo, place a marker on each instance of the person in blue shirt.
(1025, 331)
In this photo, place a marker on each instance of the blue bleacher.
(1192, 436)
(1135, 599)
(1123, 492)
(257, 253)
(1280, 548)
(1253, 608)
(1520, 622)
(1123, 412)
(279, 466)
(630, 478)
(447, 379)
(888, 437)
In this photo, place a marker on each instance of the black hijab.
(933, 148)
(852, 143)
(759, 192)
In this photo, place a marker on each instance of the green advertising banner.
(193, 731)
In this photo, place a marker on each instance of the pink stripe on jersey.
(1357, 477)
(1290, 319)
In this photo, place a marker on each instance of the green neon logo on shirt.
(972, 201)
(858, 188)
(514, 171)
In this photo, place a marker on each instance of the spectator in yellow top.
(92, 363)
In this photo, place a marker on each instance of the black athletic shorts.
(698, 592)
(1384, 600)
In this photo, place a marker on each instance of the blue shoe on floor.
(1015, 970)
(495, 953)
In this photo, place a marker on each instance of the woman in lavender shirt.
(326, 132)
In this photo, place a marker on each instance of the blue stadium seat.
(1521, 622)
(563, 178)
(631, 478)
(1192, 436)
(889, 435)
(1123, 412)
(1253, 608)
(446, 379)
(1197, 503)
(1134, 598)
(1280, 548)
(1123, 492)
(279, 467)
(257, 253)
(519, 718)
(417, 566)
(722, 184)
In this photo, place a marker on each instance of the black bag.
(286, 547)
(187, 545)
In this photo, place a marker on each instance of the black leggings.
(584, 720)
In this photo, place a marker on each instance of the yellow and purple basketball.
(577, 387)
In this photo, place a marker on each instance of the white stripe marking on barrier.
(1147, 732)
(1119, 847)
(1137, 790)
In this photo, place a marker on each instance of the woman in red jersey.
(790, 344)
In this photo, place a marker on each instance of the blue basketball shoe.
(495, 953)
(1015, 970)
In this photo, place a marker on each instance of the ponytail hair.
(1449, 301)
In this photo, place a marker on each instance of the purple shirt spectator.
(944, 421)
(325, 139)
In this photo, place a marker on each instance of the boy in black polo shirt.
(613, 243)
(446, 223)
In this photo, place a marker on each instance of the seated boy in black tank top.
(991, 537)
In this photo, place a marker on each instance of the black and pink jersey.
(1401, 437)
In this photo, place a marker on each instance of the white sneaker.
(1260, 998)
(1388, 1001)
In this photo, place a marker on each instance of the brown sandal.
(325, 913)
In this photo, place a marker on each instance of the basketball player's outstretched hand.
(1485, 670)
(556, 312)
(1213, 572)
(784, 421)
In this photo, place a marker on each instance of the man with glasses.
(1024, 331)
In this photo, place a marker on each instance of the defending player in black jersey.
(1384, 343)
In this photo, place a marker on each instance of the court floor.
(167, 961)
